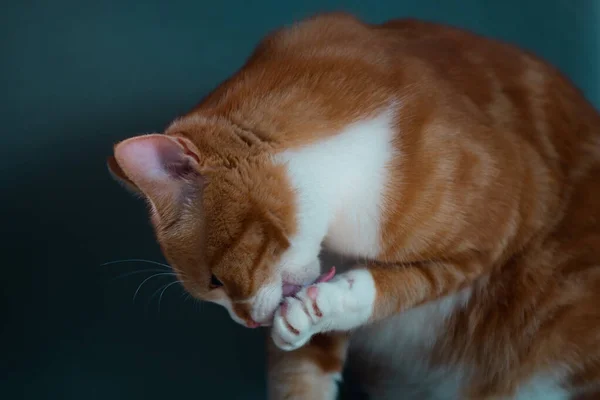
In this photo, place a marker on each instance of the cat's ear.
(159, 166)
(117, 173)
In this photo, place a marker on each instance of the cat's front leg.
(341, 304)
(308, 373)
(367, 294)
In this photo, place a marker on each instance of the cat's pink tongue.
(290, 289)
(326, 276)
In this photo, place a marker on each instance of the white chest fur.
(339, 182)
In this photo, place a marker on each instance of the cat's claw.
(314, 309)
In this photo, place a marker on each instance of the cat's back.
(510, 89)
(332, 69)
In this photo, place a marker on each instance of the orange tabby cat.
(463, 173)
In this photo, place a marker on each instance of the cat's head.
(226, 229)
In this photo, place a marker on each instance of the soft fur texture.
(462, 175)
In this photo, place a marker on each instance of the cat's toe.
(293, 325)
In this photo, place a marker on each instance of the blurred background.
(78, 76)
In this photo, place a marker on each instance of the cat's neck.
(340, 182)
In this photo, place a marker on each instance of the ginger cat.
(461, 173)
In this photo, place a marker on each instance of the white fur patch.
(339, 183)
(265, 302)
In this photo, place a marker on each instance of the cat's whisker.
(135, 260)
(138, 272)
(154, 294)
(147, 279)
(157, 291)
(163, 292)
(187, 295)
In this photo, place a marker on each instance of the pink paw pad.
(283, 309)
(312, 292)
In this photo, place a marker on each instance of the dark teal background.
(78, 76)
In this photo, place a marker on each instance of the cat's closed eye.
(215, 282)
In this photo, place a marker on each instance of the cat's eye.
(214, 282)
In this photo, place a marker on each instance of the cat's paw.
(322, 307)
(310, 311)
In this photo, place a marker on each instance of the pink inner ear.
(156, 163)
(148, 158)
